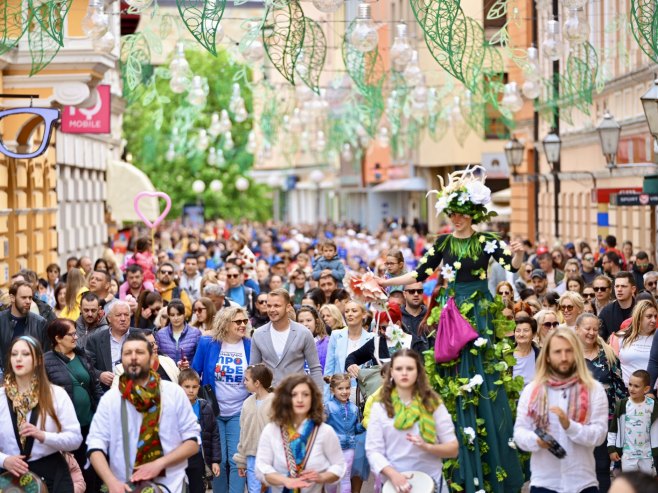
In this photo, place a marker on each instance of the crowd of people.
(244, 357)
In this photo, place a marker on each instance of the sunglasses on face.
(566, 308)
(261, 302)
(589, 295)
(166, 272)
(589, 259)
(242, 321)
(232, 276)
(548, 325)
(200, 309)
(650, 284)
(600, 290)
(414, 291)
(504, 293)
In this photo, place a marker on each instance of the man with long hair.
(568, 407)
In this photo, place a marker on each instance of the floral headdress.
(465, 194)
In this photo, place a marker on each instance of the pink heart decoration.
(161, 217)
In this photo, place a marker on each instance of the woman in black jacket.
(69, 367)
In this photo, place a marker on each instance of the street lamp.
(650, 105)
(609, 131)
(552, 144)
(514, 154)
(316, 177)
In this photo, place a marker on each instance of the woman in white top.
(571, 306)
(635, 345)
(297, 450)
(410, 429)
(41, 414)
(525, 351)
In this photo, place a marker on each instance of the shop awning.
(415, 184)
(124, 182)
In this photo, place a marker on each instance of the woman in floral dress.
(476, 387)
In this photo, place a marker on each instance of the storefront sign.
(634, 199)
(94, 120)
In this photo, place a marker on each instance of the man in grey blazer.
(283, 345)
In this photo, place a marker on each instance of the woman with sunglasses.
(505, 291)
(558, 259)
(523, 279)
(204, 312)
(546, 322)
(71, 368)
(571, 306)
(602, 287)
(259, 316)
(221, 361)
(604, 367)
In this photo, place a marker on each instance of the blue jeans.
(253, 484)
(229, 435)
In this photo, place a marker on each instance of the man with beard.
(20, 321)
(564, 401)
(169, 290)
(413, 312)
(91, 319)
(156, 417)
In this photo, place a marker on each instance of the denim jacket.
(344, 419)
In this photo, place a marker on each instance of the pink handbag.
(452, 334)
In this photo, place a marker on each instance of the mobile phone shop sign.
(93, 120)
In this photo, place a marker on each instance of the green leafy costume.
(477, 388)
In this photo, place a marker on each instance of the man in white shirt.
(284, 345)
(164, 459)
(564, 401)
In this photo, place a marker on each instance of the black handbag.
(207, 393)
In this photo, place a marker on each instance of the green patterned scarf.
(406, 416)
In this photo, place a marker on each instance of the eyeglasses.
(47, 115)
(200, 309)
(589, 295)
(167, 272)
(650, 284)
(566, 308)
(504, 293)
(548, 325)
(600, 289)
(73, 335)
(414, 291)
(242, 321)
(232, 276)
(261, 302)
(589, 259)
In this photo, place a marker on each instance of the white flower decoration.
(490, 247)
(478, 192)
(463, 198)
(480, 341)
(511, 443)
(507, 267)
(430, 251)
(482, 238)
(448, 272)
(414, 274)
(441, 204)
(470, 433)
(476, 380)
(483, 276)
(457, 265)
(429, 271)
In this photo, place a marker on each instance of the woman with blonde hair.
(547, 322)
(76, 286)
(332, 317)
(204, 314)
(602, 363)
(221, 360)
(635, 344)
(571, 306)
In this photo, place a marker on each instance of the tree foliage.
(158, 117)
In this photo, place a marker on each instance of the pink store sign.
(93, 120)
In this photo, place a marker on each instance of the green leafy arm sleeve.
(500, 251)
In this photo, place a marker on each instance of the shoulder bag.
(140, 486)
(370, 379)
